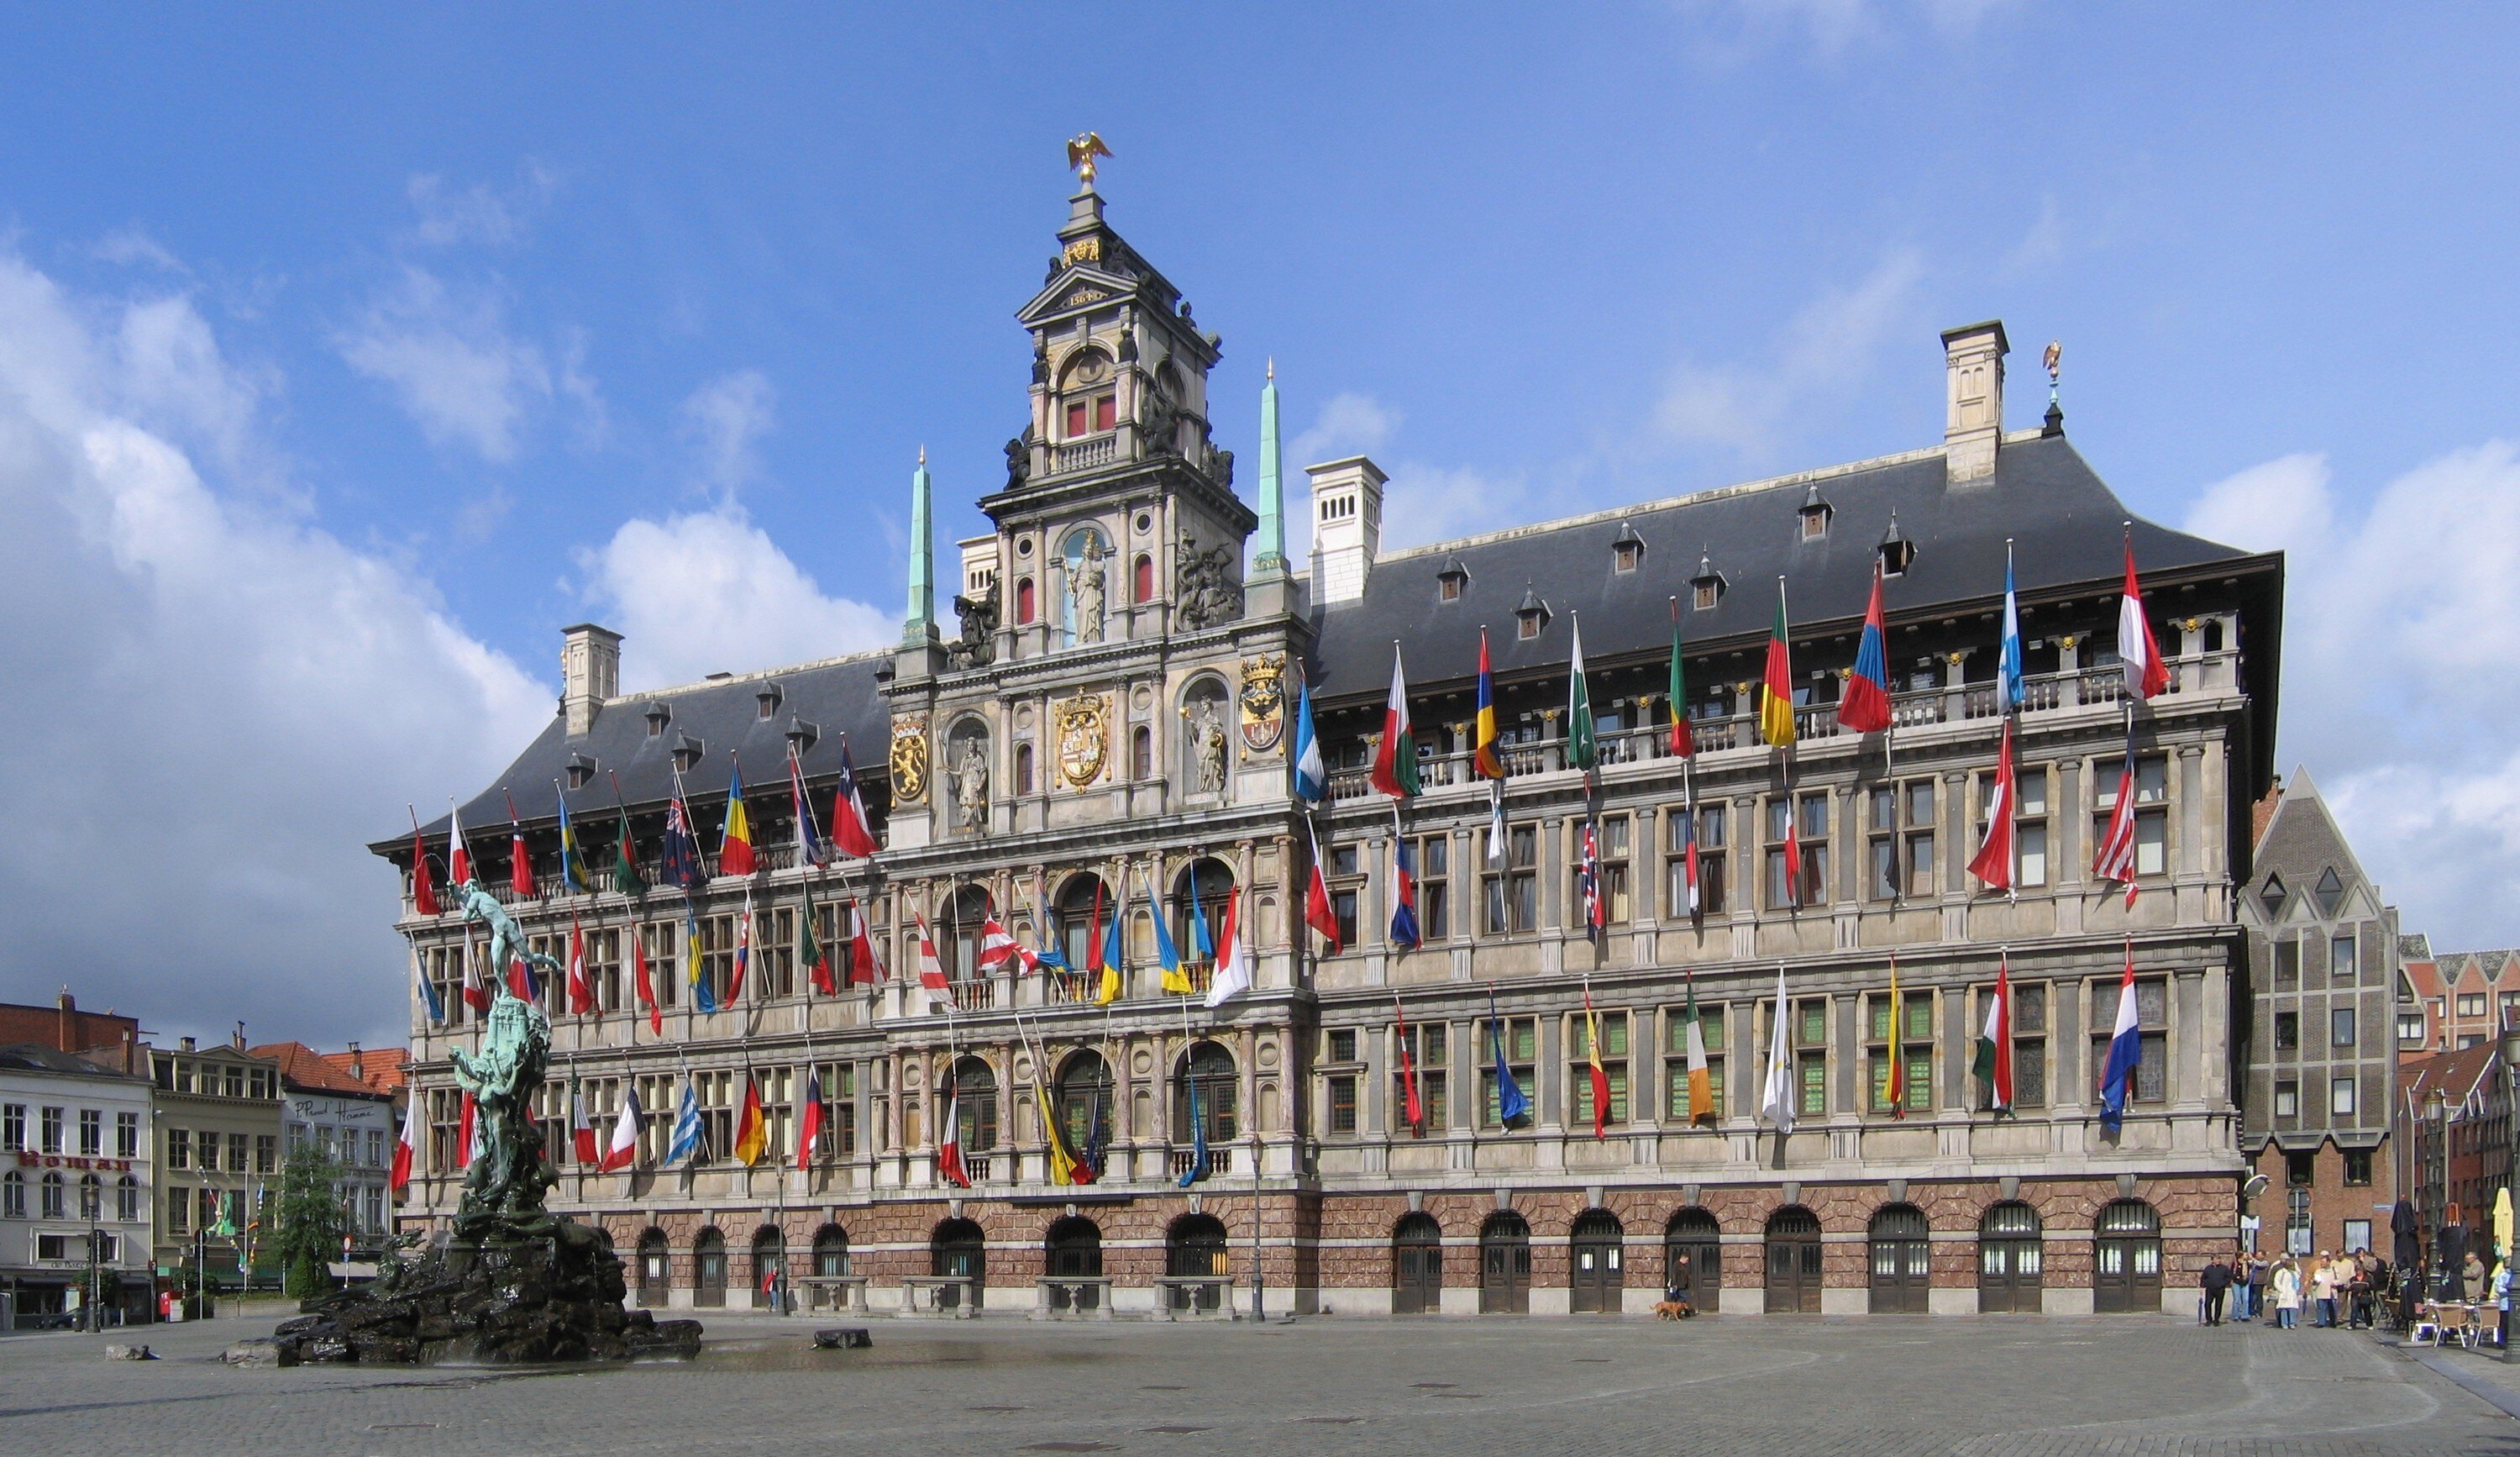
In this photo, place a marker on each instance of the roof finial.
(1272, 366)
(1081, 152)
(2054, 359)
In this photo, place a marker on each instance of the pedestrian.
(2322, 1290)
(2472, 1276)
(2502, 1304)
(2216, 1281)
(2287, 1288)
(2364, 1285)
(2258, 1271)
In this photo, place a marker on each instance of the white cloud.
(1731, 33)
(480, 214)
(725, 417)
(1350, 424)
(1428, 503)
(446, 352)
(2402, 626)
(215, 705)
(709, 592)
(1827, 348)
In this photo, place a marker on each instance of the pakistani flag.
(1582, 748)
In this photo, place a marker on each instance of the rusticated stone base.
(545, 1288)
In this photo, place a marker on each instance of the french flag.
(625, 1133)
(2126, 1052)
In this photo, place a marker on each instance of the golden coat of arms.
(1084, 738)
(909, 761)
(1264, 702)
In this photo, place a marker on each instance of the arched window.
(1597, 1264)
(57, 1198)
(831, 1252)
(1692, 1264)
(708, 1268)
(1194, 1249)
(1142, 753)
(1073, 1249)
(1504, 1264)
(1075, 915)
(1900, 1245)
(1208, 1068)
(126, 1199)
(2008, 1259)
(1200, 895)
(1023, 769)
(655, 1266)
(958, 1249)
(2126, 1269)
(1793, 1261)
(13, 1195)
(973, 1096)
(1081, 1098)
(1026, 607)
(769, 1265)
(91, 1197)
(960, 919)
(1141, 579)
(1418, 1266)
(1086, 394)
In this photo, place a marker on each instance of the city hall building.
(1103, 728)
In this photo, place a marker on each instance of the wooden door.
(1505, 1270)
(1418, 1272)
(1793, 1263)
(1594, 1261)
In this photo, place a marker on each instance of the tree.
(309, 1218)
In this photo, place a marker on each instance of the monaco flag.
(625, 1133)
(407, 1143)
(2145, 673)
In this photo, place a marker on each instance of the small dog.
(1673, 1310)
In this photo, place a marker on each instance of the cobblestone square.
(1973, 1385)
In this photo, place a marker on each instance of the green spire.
(1271, 560)
(920, 628)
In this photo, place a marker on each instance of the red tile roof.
(302, 1067)
(385, 1069)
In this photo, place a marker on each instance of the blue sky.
(346, 354)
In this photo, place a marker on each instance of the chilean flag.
(1866, 707)
(851, 835)
(809, 1121)
(520, 864)
(581, 992)
(1404, 897)
(625, 1133)
(1395, 758)
(407, 1143)
(581, 1133)
(2145, 673)
(2126, 1052)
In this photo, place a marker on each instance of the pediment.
(1076, 287)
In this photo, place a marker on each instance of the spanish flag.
(1062, 1164)
(1776, 691)
(735, 848)
(751, 1130)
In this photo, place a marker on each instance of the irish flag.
(1395, 759)
(1701, 1080)
(2145, 673)
(1776, 687)
(1994, 1065)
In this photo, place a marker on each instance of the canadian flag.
(581, 992)
(407, 1143)
(625, 1133)
(581, 1133)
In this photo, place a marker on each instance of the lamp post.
(2511, 1174)
(2436, 1109)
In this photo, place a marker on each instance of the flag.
(811, 953)
(581, 990)
(810, 1118)
(1312, 778)
(1898, 1082)
(428, 989)
(1866, 706)
(1582, 742)
(949, 1154)
(931, 971)
(581, 1132)
(751, 1129)
(524, 982)
(1319, 913)
(1404, 893)
(626, 878)
(2146, 676)
(1993, 862)
(1993, 1063)
(1233, 966)
(2126, 1052)
(2007, 659)
(1089, 1167)
(682, 854)
(476, 993)
(852, 833)
(742, 951)
(520, 861)
(624, 1146)
(1103, 951)
(1684, 740)
(703, 996)
(645, 988)
(865, 969)
(1593, 1057)
(464, 1116)
(1201, 940)
(572, 869)
(1777, 1098)
(1588, 883)
(1513, 1107)
(1776, 686)
(407, 1142)
(1688, 844)
(997, 946)
(1701, 1079)
(734, 845)
(1395, 758)
(810, 848)
(1483, 731)
(1793, 855)
(1412, 1106)
(1062, 1164)
(424, 894)
(1167, 955)
(459, 856)
(691, 1135)
(1198, 1168)
(2115, 860)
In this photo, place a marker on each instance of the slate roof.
(35, 1057)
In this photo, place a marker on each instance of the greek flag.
(691, 1138)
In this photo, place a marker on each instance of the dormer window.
(1815, 512)
(801, 735)
(2330, 892)
(659, 715)
(581, 771)
(1451, 580)
(1894, 551)
(1531, 616)
(687, 751)
(767, 700)
(1707, 588)
(1628, 553)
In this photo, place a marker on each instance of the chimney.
(1347, 526)
(68, 1023)
(358, 1063)
(183, 1044)
(238, 1041)
(1972, 399)
(590, 671)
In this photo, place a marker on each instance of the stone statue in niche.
(977, 646)
(1020, 459)
(1207, 594)
(971, 775)
(1086, 588)
(1207, 747)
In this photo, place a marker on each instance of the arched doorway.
(1692, 1263)
(1594, 1264)
(956, 1249)
(1194, 1250)
(1793, 1261)
(708, 1268)
(830, 1264)
(1418, 1266)
(1504, 1266)
(2007, 1260)
(1073, 1251)
(769, 1268)
(655, 1267)
(2126, 1272)
(1901, 1250)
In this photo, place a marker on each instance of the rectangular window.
(2030, 826)
(2287, 1099)
(2340, 1095)
(2358, 1169)
(126, 1136)
(2341, 966)
(13, 1128)
(91, 1141)
(1674, 1061)
(1911, 1041)
(2151, 817)
(2410, 1029)
(2287, 956)
(1342, 1103)
(1522, 1055)
(1808, 1035)
(2287, 1030)
(179, 1147)
(2152, 1020)
(1614, 1068)
(1710, 861)
(206, 1150)
(2472, 1004)
(266, 1152)
(1434, 887)
(1426, 1047)
(1612, 834)
(2340, 1027)
(54, 1127)
(1811, 844)
(1513, 891)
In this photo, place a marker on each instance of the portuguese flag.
(1777, 690)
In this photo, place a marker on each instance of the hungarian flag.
(581, 990)
(2115, 860)
(1587, 883)
(1701, 1079)
(520, 861)
(1319, 913)
(949, 1154)
(682, 852)
(810, 1118)
(1583, 743)
(1994, 1065)
(459, 856)
(424, 894)
(1232, 964)
(742, 951)
(1395, 758)
(464, 1117)
(581, 1132)
(931, 971)
(1896, 1090)
(810, 849)
(645, 988)
(2126, 1051)
(1403, 895)
(1776, 687)
(1593, 1061)
(1993, 862)
(851, 832)
(735, 846)
(1684, 740)
(751, 1129)
(624, 1146)
(572, 869)
(407, 1143)
(864, 968)
(1483, 730)
(810, 953)
(1866, 707)
(1412, 1106)
(2138, 650)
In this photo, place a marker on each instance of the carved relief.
(909, 759)
(1205, 592)
(1264, 702)
(1084, 726)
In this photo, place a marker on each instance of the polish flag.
(581, 1133)
(407, 1143)
(625, 1133)
(581, 992)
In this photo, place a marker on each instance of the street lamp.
(2436, 1109)
(2511, 1176)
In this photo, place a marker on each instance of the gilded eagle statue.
(1081, 152)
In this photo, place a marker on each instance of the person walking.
(2502, 1304)
(2287, 1288)
(2360, 1292)
(2259, 1271)
(2322, 1290)
(2218, 1283)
